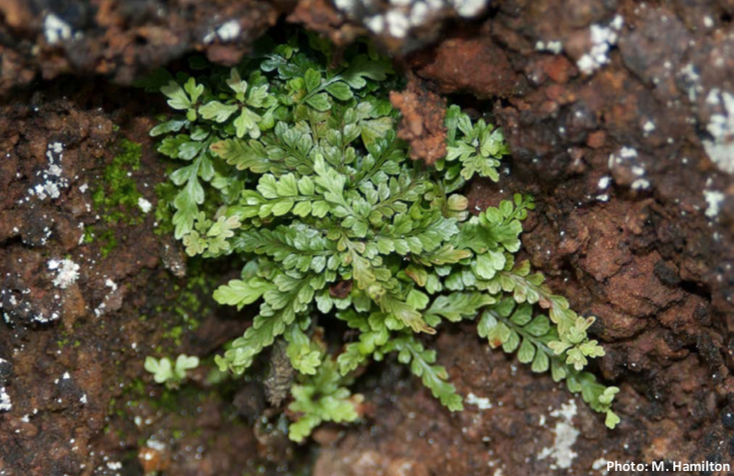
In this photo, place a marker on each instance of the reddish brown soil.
(424, 116)
(630, 243)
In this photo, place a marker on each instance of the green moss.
(88, 235)
(64, 340)
(166, 192)
(117, 196)
(137, 387)
(107, 242)
(193, 301)
(105, 239)
(175, 334)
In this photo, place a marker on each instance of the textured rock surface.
(423, 123)
(72, 357)
(121, 40)
(619, 115)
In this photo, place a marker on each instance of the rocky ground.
(620, 118)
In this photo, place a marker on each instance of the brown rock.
(637, 291)
(478, 66)
(423, 122)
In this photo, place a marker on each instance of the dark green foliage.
(291, 162)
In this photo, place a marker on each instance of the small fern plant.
(168, 372)
(290, 162)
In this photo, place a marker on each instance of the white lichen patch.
(600, 465)
(565, 437)
(5, 404)
(627, 156)
(482, 403)
(397, 23)
(692, 81)
(721, 127)
(604, 182)
(713, 201)
(640, 184)
(229, 30)
(144, 205)
(81, 236)
(209, 37)
(347, 5)
(155, 444)
(102, 308)
(55, 29)
(637, 170)
(625, 153)
(397, 17)
(44, 319)
(52, 180)
(553, 46)
(111, 284)
(603, 38)
(469, 8)
(67, 272)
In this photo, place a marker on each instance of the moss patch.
(117, 196)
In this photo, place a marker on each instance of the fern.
(170, 373)
(292, 164)
(319, 398)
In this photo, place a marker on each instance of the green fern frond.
(290, 162)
